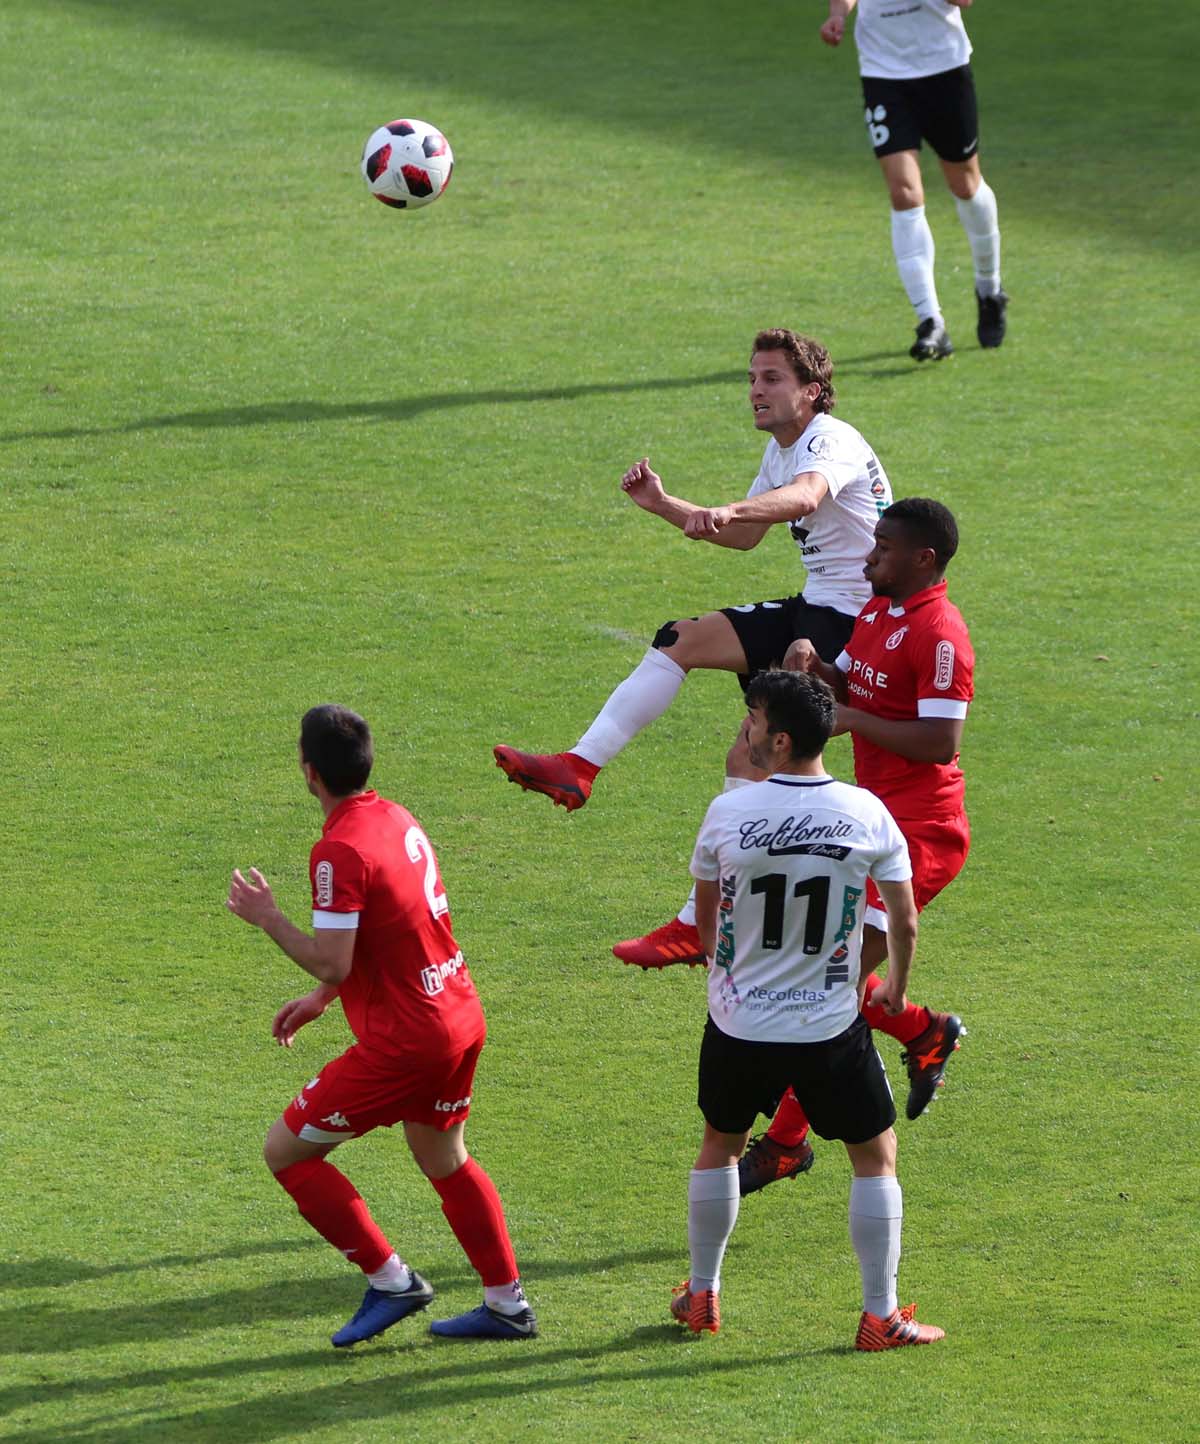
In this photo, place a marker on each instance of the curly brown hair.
(809, 360)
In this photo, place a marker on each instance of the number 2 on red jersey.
(419, 849)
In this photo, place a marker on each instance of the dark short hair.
(808, 359)
(928, 524)
(798, 703)
(336, 744)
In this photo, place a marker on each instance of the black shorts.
(938, 108)
(767, 629)
(841, 1083)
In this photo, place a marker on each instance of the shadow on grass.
(471, 1374)
(399, 408)
(70, 1273)
(405, 408)
(50, 1328)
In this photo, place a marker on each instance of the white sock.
(393, 1277)
(641, 698)
(506, 1298)
(978, 216)
(912, 245)
(876, 1212)
(687, 913)
(713, 1200)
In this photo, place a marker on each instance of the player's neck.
(899, 595)
(789, 434)
(330, 803)
(811, 767)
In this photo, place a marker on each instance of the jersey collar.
(345, 806)
(789, 779)
(919, 599)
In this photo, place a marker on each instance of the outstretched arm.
(326, 956)
(799, 498)
(644, 486)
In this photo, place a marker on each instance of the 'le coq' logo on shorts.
(324, 884)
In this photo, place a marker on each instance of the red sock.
(789, 1127)
(474, 1211)
(335, 1208)
(904, 1027)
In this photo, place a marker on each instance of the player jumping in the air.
(818, 476)
(381, 943)
(782, 868)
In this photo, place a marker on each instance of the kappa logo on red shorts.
(336, 1120)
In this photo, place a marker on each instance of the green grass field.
(265, 443)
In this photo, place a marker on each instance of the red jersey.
(902, 662)
(408, 988)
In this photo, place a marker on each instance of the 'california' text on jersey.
(792, 856)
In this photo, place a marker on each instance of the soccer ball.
(407, 164)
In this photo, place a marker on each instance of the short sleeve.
(338, 877)
(945, 672)
(831, 455)
(706, 866)
(892, 863)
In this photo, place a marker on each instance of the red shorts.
(937, 850)
(360, 1091)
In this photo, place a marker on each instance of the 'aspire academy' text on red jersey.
(903, 662)
(408, 989)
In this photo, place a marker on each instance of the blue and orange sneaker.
(925, 1058)
(766, 1161)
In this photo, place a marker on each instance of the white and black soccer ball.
(407, 164)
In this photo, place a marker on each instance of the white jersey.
(905, 39)
(792, 856)
(835, 539)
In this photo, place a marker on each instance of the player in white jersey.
(781, 869)
(917, 84)
(821, 478)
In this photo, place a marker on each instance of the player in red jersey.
(904, 682)
(382, 944)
